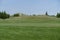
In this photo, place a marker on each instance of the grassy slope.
(30, 28)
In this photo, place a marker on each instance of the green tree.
(4, 15)
(58, 15)
(46, 14)
(16, 15)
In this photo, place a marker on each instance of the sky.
(30, 6)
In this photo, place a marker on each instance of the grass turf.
(30, 28)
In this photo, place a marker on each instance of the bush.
(4, 15)
(16, 15)
(34, 15)
(58, 15)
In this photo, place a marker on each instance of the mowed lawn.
(30, 28)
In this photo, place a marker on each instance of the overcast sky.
(30, 6)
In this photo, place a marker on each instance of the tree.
(58, 15)
(4, 15)
(46, 14)
(16, 15)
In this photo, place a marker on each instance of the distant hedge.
(4, 15)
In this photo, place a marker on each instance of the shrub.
(34, 15)
(4, 15)
(58, 15)
(16, 15)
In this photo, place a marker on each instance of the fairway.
(30, 28)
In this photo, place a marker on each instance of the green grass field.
(30, 28)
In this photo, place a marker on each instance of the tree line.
(4, 15)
